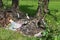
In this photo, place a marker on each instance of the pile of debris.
(26, 26)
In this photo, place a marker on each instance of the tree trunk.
(15, 4)
(40, 13)
(39, 9)
(1, 4)
(15, 8)
(45, 6)
(42, 8)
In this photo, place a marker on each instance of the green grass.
(52, 20)
(10, 35)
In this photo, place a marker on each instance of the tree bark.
(39, 9)
(15, 4)
(1, 4)
(42, 7)
(45, 6)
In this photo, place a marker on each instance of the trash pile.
(27, 25)
(26, 28)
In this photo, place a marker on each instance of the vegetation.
(52, 19)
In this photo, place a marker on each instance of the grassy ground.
(52, 19)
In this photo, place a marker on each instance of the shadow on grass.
(53, 15)
(27, 9)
